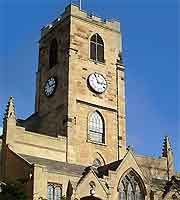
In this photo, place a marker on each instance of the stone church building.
(74, 144)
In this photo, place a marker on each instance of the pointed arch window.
(129, 188)
(97, 48)
(53, 53)
(96, 128)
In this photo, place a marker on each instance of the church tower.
(80, 86)
(74, 145)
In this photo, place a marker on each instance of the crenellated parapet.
(75, 11)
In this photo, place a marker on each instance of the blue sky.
(150, 48)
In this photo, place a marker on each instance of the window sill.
(97, 62)
(97, 143)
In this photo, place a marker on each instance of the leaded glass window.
(130, 192)
(129, 188)
(96, 128)
(54, 191)
(97, 48)
(122, 192)
(50, 192)
(138, 194)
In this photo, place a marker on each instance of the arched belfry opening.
(131, 187)
(53, 53)
(97, 48)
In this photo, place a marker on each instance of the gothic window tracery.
(53, 53)
(129, 188)
(97, 48)
(96, 128)
(122, 192)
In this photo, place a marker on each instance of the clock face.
(50, 86)
(97, 82)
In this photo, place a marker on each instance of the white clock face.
(50, 86)
(97, 82)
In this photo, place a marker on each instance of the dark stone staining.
(81, 35)
(109, 75)
(78, 83)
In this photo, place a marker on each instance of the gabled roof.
(91, 175)
(57, 166)
(104, 170)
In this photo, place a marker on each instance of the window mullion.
(53, 192)
(126, 194)
(96, 52)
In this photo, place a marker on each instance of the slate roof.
(56, 166)
(73, 169)
(104, 170)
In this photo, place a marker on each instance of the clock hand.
(96, 77)
(101, 81)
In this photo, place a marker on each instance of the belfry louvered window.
(129, 188)
(54, 191)
(96, 128)
(53, 53)
(97, 48)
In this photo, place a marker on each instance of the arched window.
(54, 191)
(97, 48)
(96, 128)
(53, 53)
(129, 188)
